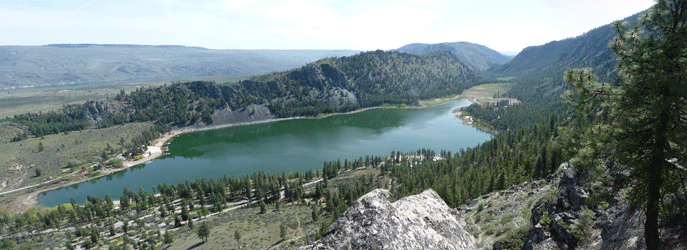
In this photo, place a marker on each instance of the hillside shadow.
(275, 244)
(196, 245)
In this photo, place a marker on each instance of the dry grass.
(259, 231)
(19, 160)
(498, 215)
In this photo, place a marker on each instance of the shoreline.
(468, 121)
(30, 199)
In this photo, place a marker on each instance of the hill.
(542, 67)
(537, 73)
(326, 86)
(476, 57)
(59, 64)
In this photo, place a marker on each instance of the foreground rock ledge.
(422, 221)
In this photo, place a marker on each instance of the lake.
(285, 146)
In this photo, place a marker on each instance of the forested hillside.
(348, 83)
(510, 158)
(476, 57)
(538, 74)
(326, 86)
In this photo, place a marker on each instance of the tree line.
(510, 158)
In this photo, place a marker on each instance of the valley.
(573, 144)
(286, 146)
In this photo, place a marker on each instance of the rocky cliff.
(422, 221)
(559, 212)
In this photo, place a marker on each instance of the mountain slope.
(476, 57)
(347, 83)
(546, 64)
(326, 86)
(537, 73)
(22, 66)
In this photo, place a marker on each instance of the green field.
(488, 92)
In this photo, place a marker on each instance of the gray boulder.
(422, 221)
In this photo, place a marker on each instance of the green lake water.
(285, 146)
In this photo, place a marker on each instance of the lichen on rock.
(422, 221)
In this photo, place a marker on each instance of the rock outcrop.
(564, 211)
(568, 220)
(96, 111)
(422, 221)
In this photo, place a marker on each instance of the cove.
(285, 146)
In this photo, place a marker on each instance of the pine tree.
(204, 231)
(282, 232)
(263, 207)
(168, 239)
(652, 103)
(315, 213)
(237, 237)
(641, 122)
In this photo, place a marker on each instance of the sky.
(506, 26)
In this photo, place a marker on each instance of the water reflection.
(291, 145)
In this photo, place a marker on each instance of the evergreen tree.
(263, 207)
(69, 245)
(168, 239)
(641, 122)
(282, 232)
(652, 104)
(237, 237)
(315, 213)
(204, 231)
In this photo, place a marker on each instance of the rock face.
(422, 221)
(96, 111)
(251, 113)
(567, 220)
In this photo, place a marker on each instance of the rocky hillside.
(420, 221)
(326, 86)
(22, 66)
(558, 213)
(476, 57)
(348, 83)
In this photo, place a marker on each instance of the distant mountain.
(537, 73)
(56, 64)
(476, 57)
(547, 63)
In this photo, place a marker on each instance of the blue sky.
(509, 25)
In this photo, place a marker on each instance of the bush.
(545, 221)
(480, 207)
(513, 240)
